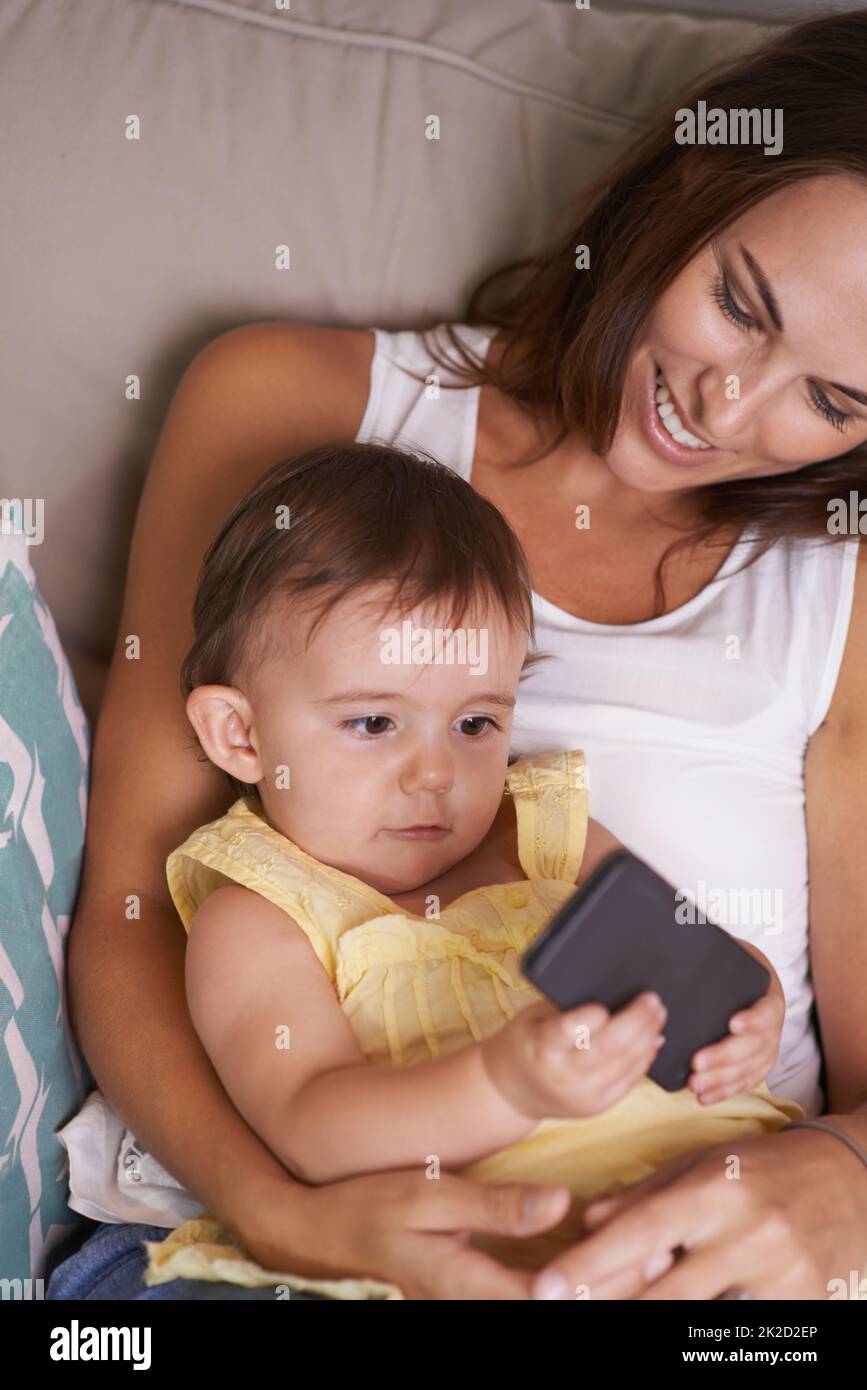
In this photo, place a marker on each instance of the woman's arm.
(836, 792)
(90, 675)
(272, 1024)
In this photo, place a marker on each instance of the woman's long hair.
(643, 221)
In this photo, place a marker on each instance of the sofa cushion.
(44, 756)
(160, 151)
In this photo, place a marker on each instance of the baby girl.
(357, 918)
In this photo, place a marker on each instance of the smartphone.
(620, 935)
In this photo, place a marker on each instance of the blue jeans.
(111, 1262)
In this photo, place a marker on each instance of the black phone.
(622, 933)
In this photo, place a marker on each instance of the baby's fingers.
(574, 1028)
(729, 1052)
(714, 1086)
(764, 1014)
(591, 1025)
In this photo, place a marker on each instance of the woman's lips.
(662, 441)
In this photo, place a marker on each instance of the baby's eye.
(367, 719)
(481, 721)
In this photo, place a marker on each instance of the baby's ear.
(222, 718)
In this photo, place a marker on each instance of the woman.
(740, 277)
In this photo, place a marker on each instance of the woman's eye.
(820, 403)
(367, 719)
(722, 295)
(481, 721)
(818, 400)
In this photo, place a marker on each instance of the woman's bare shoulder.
(306, 378)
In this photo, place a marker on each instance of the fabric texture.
(44, 761)
(111, 1263)
(112, 1178)
(695, 724)
(414, 988)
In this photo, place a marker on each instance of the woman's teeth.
(670, 418)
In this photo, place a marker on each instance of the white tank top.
(695, 724)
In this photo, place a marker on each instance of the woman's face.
(761, 393)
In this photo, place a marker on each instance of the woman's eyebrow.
(769, 300)
(860, 396)
(760, 280)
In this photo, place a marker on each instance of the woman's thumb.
(506, 1208)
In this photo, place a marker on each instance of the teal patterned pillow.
(44, 762)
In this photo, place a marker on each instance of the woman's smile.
(654, 407)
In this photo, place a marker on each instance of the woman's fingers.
(786, 1229)
(465, 1273)
(699, 1274)
(625, 1283)
(424, 1244)
(639, 1230)
(455, 1203)
(601, 1208)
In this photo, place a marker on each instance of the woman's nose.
(733, 402)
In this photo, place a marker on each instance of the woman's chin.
(633, 463)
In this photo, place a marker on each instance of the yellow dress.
(416, 987)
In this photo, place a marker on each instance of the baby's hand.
(742, 1060)
(549, 1064)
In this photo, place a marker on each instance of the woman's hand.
(745, 1058)
(792, 1221)
(404, 1229)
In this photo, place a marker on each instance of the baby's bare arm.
(269, 1018)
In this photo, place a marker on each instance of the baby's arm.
(254, 981)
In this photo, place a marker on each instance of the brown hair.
(644, 220)
(354, 515)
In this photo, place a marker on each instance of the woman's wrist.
(854, 1124)
(263, 1205)
(235, 1176)
(849, 1167)
(268, 1213)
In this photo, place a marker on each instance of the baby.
(357, 918)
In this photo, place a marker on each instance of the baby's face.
(374, 744)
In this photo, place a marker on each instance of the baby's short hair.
(322, 524)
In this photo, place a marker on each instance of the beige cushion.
(262, 127)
